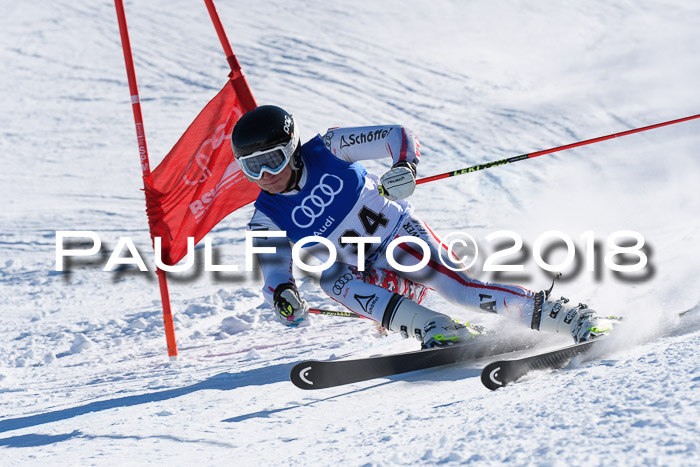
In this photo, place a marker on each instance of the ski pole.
(531, 155)
(344, 314)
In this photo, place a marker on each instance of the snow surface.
(84, 377)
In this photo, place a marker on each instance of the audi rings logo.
(340, 283)
(313, 205)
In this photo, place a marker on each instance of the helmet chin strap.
(296, 165)
(295, 177)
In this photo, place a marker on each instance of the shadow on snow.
(222, 382)
(454, 373)
(35, 440)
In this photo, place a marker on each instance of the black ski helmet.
(265, 127)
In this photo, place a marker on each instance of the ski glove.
(400, 181)
(290, 309)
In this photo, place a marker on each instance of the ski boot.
(561, 316)
(431, 328)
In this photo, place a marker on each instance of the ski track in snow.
(83, 372)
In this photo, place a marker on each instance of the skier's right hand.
(290, 309)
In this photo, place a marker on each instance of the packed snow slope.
(84, 377)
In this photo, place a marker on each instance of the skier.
(320, 189)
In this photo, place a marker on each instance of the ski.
(499, 373)
(314, 374)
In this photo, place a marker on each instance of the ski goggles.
(272, 161)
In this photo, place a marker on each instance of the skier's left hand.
(400, 181)
(290, 309)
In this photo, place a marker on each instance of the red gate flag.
(199, 182)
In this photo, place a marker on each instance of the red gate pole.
(145, 168)
(237, 79)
